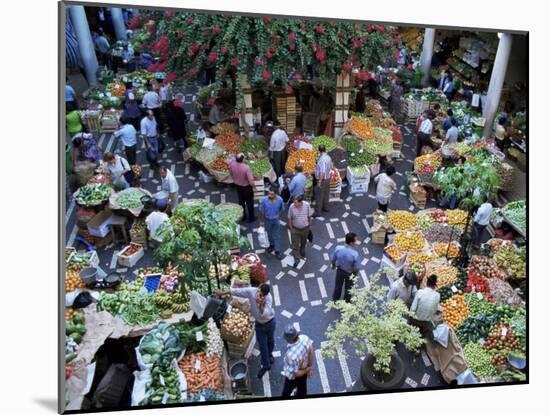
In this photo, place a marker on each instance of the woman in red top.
(505, 232)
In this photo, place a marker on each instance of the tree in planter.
(471, 182)
(371, 324)
(202, 236)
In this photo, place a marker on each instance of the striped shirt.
(323, 165)
(297, 356)
(299, 217)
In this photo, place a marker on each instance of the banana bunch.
(163, 299)
(180, 304)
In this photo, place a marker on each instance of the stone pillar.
(118, 23)
(343, 90)
(85, 43)
(498, 75)
(246, 120)
(427, 53)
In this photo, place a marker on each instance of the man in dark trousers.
(244, 181)
(345, 259)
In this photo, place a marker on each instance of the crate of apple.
(500, 342)
(482, 266)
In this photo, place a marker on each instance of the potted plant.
(373, 326)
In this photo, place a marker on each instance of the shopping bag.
(262, 237)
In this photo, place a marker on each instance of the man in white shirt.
(482, 219)
(127, 133)
(277, 148)
(156, 222)
(151, 101)
(404, 289)
(385, 188)
(424, 132)
(452, 133)
(170, 185)
(164, 93)
(149, 132)
(424, 307)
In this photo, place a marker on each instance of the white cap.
(131, 96)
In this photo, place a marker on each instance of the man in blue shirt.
(345, 259)
(271, 207)
(298, 184)
(127, 133)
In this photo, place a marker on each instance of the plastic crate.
(359, 188)
(130, 261)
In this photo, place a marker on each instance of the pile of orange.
(307, 158)
(361, 128)
(455, 310)
(73, 281)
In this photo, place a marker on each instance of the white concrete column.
(246, 120)
(497, 80)
(427, 53)
(85, 42)
(118, 23)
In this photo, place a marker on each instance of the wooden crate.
(237, 351)
(378, 237)
(259, 193)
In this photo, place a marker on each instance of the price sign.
(161, 380)
(117, 86)
(198, 364)
(482, 341)
(479, 296)
(199, 336)
(201, 398)
(503, 332)
(453, 289)
(229, 308)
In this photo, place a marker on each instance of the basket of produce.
(128, 200)
(515, 213)
(222, 128)
(328, 142)
(361, 158)
(455, 310)
(379, 148)
(256, 149)
(236, 326)
(500, 343)
(260, 167)
(509, 261)
(93, 195)
(401, 220)
(361, 128)
(446, 274)
(201, 372)
(231, 210)
(307, 158)
(130, 255)
(230, 142)
(457, 217)
(422, 257)
(451, 250)
(439, 232)
(408, 241)
(395, 255)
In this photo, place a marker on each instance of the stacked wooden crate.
(286, 107)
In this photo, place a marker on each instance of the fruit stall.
(483, 302)
(179, 342)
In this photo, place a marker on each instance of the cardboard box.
(378, 237)
(359, 188)
(99, 225)
(130, 261)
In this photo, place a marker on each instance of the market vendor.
(117, 167)
(157, 221)
(505, 232)
(128, 57)
(170, 185)
(451, 137)
(84, 148)
(261, 308)
(127, 134)
(322, 177)
(500, 133)
(216, 113)
(482, 219)
(74, 123)
(151, 101)
(448, 120)
(277, 149)
(404, 288)
(424, 132)
(424, 308)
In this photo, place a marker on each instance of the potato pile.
(236, 325)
